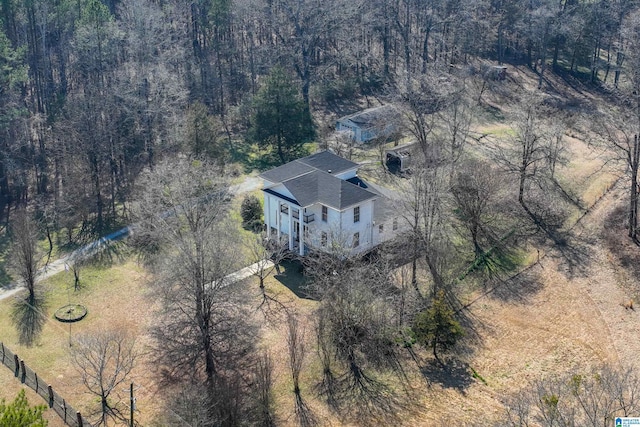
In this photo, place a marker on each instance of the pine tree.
(436, 327)
(20, 414)
(280, 118)
(202, 134)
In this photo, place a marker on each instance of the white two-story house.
(319, 202)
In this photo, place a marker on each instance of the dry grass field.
(553, 318)
(113, 295)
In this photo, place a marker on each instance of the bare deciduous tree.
(457, 118)
(295, 344)
(419, 108)
(29, 313)
(531, 155)
(265, 254)
(202, 333)
(593, 399)
(297, 353)
(626, 145)
(423, 204)
(104, 360)
(25, 254)
(264, 388)
(475, 191)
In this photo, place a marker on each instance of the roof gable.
(312, 180)
(324, 161)
(322, 187)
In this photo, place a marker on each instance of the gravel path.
(250, 183)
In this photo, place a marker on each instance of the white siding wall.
(387, 231)
(281, 189)
(339, 225)
(349, 228)
(272, 215)
(331, 226)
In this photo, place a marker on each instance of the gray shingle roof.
(322, 187)
(309, 181)
(371, 116)
(286, 171)
(327, 161)
(324, 161)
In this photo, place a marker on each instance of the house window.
(356, 240)
(381, 228)
(356, 214)
(323, 239)
(325, 213)
(284, 209)
(296, 213)
(395, 223)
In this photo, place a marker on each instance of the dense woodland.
(105, 105)
(92, 92)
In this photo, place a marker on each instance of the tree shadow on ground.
(580, 82)
(625, 251)
(109, 253)
(291, 275)
(304, 414)
(572, 248)
(368, 400)
(453, 374)
(518, 288)
(29, 316)
(575, 253)
(360, 397)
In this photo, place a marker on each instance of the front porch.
(293, 244)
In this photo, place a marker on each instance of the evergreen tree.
(202, 134)
(20, 414)
(436, 327)
(280, 118)
(251, 213)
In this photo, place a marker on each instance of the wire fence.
(27, 376)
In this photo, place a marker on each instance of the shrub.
(251, 212)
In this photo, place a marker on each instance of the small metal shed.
(399, 159)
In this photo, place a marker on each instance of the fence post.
(64, 409)
(36, 375)
(50, 396)
(17, 362)
(79, 419)
(2, 345)
(24, 371)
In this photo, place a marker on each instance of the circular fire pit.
(71, 313)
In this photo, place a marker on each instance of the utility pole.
(133, 403)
